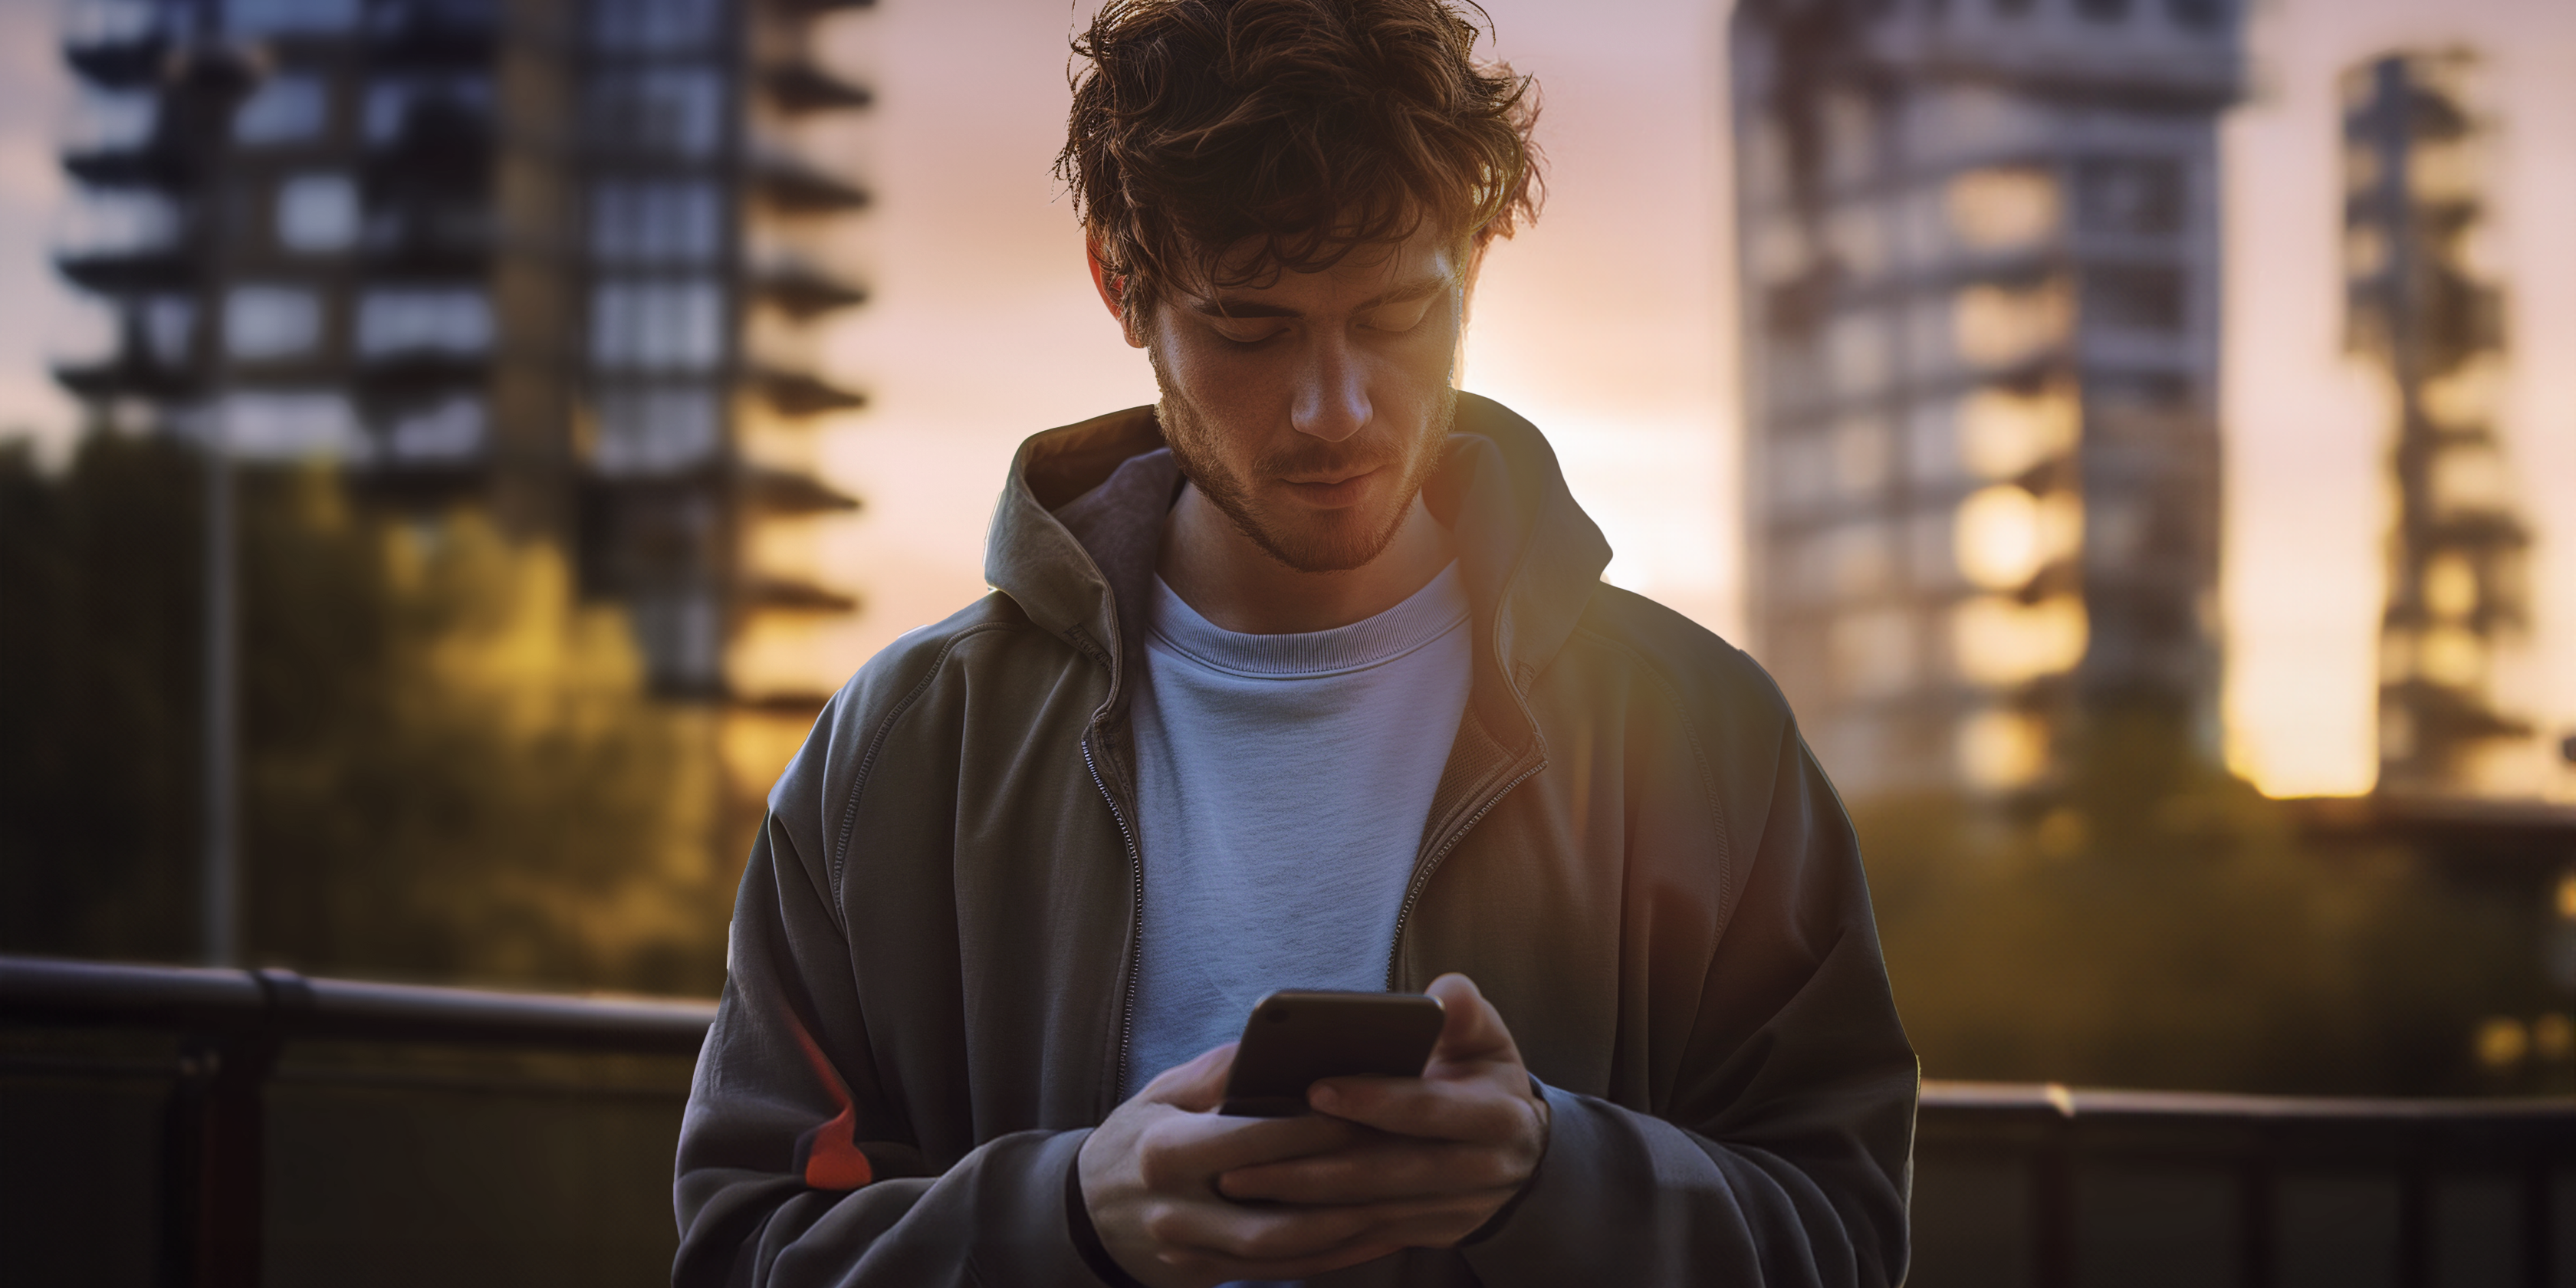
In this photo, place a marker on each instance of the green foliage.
(450, 768)
(2155, 922)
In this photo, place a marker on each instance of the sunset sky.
(1611, 323)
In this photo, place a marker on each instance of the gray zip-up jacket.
(932, 970)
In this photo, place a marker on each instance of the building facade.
(1979, 251)
(2458, 617)
(533, 255)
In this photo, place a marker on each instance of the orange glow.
(2000, 641)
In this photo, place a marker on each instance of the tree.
(450, 765)
(2153, 921)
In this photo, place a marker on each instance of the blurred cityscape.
(454, 408)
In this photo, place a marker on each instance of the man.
(1302, 677)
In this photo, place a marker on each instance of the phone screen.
(1295, 1037)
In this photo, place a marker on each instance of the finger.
(1397, 1170)
(1181, 1152)
(1471, 1030)
(1490, 1107)
(1197, 1086)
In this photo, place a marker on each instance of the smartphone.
(1295, 1037)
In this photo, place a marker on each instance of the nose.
(1331, 398)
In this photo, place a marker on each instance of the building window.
(317, 214)
(168, 324)
(264, 323)
(1863, 453)
(656, 431)
(668, 222)
(2129, 195)
(2197, 15)
(2005, 535)
(451, 429)
(1855, 233)
(652, 25)
(290, 108)
(1995, 324)
(673, 110)
(683, 635)
(2003, 434)
(1872, 653)
(1856, 352)
(1850, 138)
(110, 120)
(2134, 297)
(1847, 562)
(1998, 640)
(1999, 750)
(1801, 470)
(301, 17)
(2161, 392)
(413, 321)
(283, 424)
(2002, 207)
(404, 108)
(667, 325)
(116, 221)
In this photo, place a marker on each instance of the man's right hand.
(1149, 1180)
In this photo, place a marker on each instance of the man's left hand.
(1459, 1141)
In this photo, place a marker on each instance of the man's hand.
(1451, 1147)
(1149, 1180)
(1183, 1197)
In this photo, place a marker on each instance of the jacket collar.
(1074, 541)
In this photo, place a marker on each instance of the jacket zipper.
(1422, 879)
(1135, 921)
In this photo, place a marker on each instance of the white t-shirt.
(1284, 782)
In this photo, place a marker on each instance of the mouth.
(1331, 491)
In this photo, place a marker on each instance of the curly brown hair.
(1315, 126)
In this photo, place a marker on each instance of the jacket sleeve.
(793, 1167)
(1781, 1157)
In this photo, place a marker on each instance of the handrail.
(2052, 1101)
(286, 1005)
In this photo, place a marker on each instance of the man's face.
(1310, 408)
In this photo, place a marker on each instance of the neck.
(1234, 583)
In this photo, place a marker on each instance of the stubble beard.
(1323, 548)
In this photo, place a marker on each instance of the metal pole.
(207, 82)
(221, 874)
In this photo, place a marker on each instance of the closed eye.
(1398, 316)
(1247, 334)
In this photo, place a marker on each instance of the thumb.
(1197, 1086)
(1471, 1030)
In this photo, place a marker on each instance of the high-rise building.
(1979, 248)
(2457, 597)
(548, 256)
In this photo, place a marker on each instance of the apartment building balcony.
(434, 33)
(803, 291)
(794, 393)
(116, 42)
(792, 186)
(796, 86)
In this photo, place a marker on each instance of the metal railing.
(282, 1129)
(192, 1070)
(2052, 1188)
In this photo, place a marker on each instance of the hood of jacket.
(1076, 534)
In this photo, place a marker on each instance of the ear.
(1112, 293)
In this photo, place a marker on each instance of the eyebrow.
(1231, 306)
